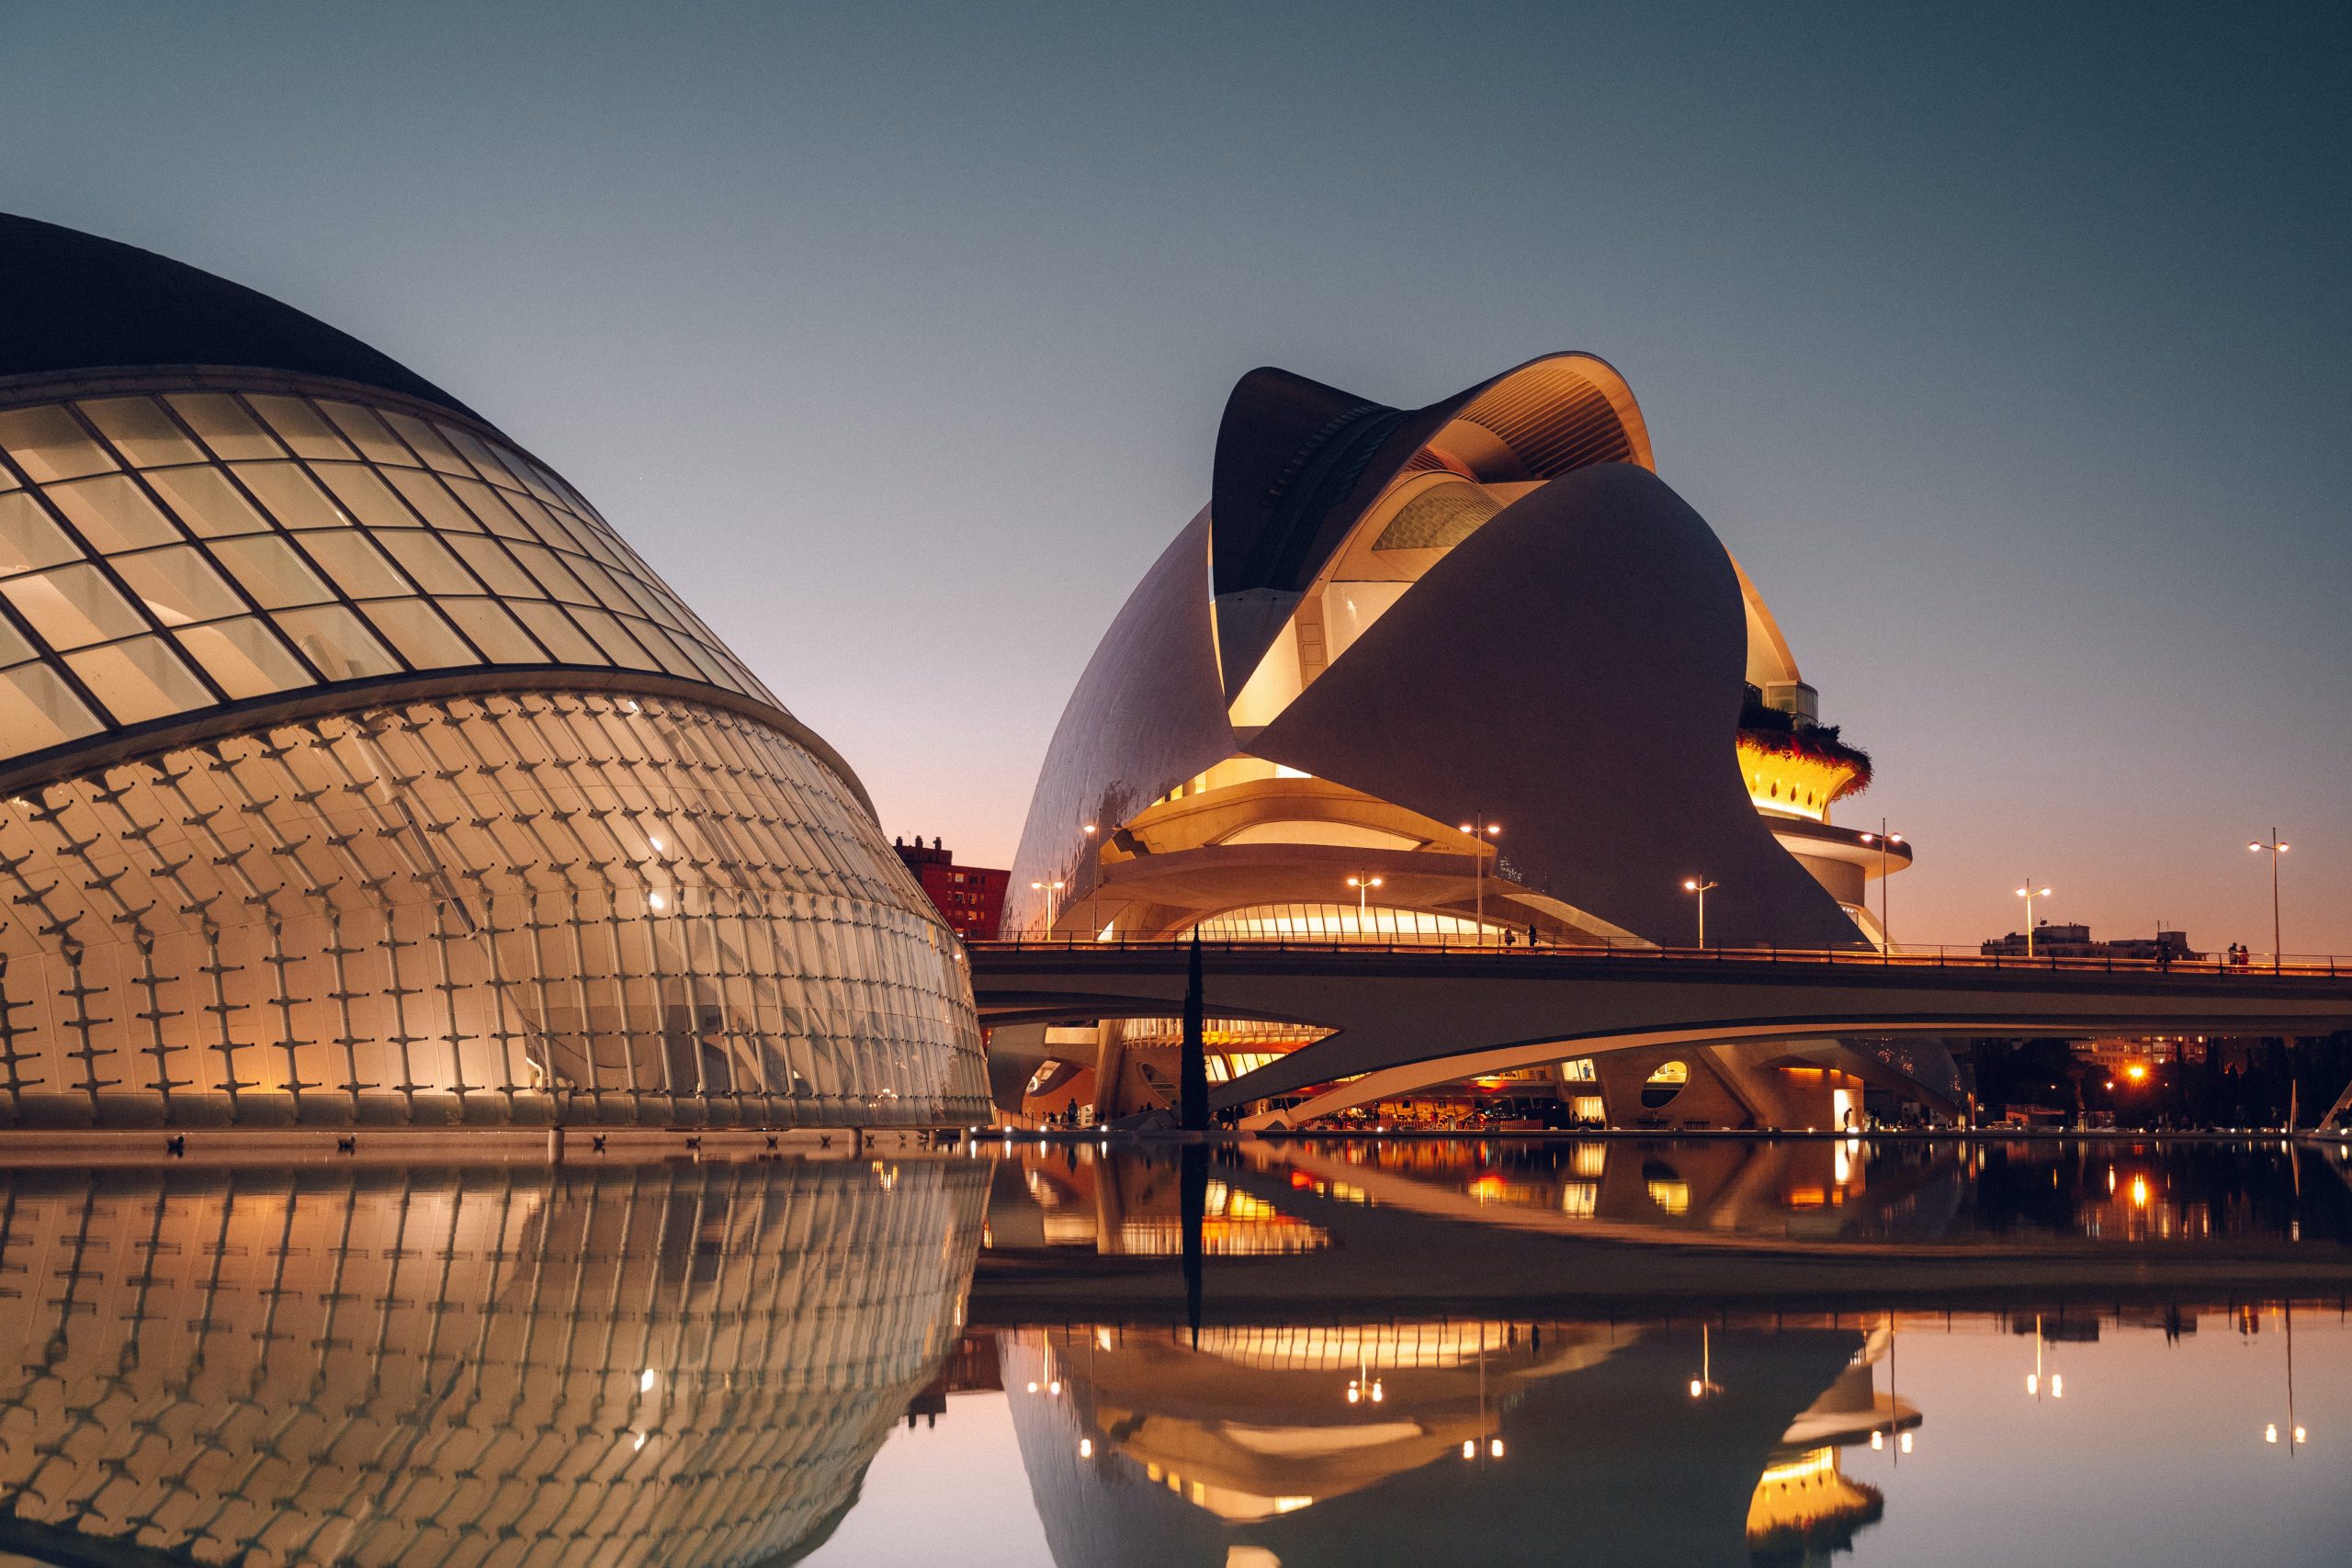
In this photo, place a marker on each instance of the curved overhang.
(26, 775)
(1851, 845)
(78, 302)
(1298, 463)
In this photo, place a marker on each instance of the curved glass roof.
(170, 550)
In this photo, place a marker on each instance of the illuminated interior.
(165, 552)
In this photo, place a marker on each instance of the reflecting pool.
(1731, 1351)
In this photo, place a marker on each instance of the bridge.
(1407, 1018)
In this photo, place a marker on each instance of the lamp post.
(1360, 884)
(1481, 829)
(1884, 840)
(2275, 849)
(1093, 875)
(1051, 890)
(2030, 893)
(1693, 885)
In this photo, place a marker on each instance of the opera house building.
(1470, 674)
(355, 772)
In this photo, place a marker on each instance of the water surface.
(1615, 1351)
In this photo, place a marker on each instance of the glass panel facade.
(378, 541)
(456, 912)
(48, 444)
(244, 659)
(139, 680)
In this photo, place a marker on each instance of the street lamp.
(1052, 890)
(2030, 893)
(1884, 840)
(1481, 830)
(2275, 849)
(1693, 885)
(1093, 875)
(1360, 884)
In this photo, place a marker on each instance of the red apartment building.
(972, 896)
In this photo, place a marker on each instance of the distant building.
(972, 896)
(2075, 941)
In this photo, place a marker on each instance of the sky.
(2004, 345)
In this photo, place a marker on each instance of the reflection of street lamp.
(2275, 849)
(1051, 890)
(2030, 893)
(1704, 1384)
(1360, 884)
(1884, 840)
(1693, 885)
(2296, 1437)
(2034, 1382)
(1481, 830)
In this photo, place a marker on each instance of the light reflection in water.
(1323, 1352)
(682, 1364)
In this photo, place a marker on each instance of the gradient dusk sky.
(2007, 346)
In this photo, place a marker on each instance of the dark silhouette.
(1193, 1068)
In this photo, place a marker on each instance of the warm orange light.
(2136, 1071)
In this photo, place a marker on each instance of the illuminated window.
(1577, 1069)
(358, 531)
(1663, 1085)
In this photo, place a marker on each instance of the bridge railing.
(2252, 966)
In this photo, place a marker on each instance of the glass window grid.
(603, 605)
(815, 976)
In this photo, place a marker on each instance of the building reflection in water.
(679, 1364)
(1410, 1425)
(1448, 1440)
(1832, 1190)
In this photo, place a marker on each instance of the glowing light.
(1470, 1449)
(1903, 1442)
(2136, 1071)
(1033, 1388)
(2057, 1385)
(2139, 1191)
(658, 845)
(1697, 1388)
(2270, 1433)
(2033, 1382)
(1055, 1388)
(659, 902)
(1878, 1440)
(645, 1381)
(638, 1446)
(1495, 1448)
(1086, 1448)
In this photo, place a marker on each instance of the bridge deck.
(1426, 1013)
